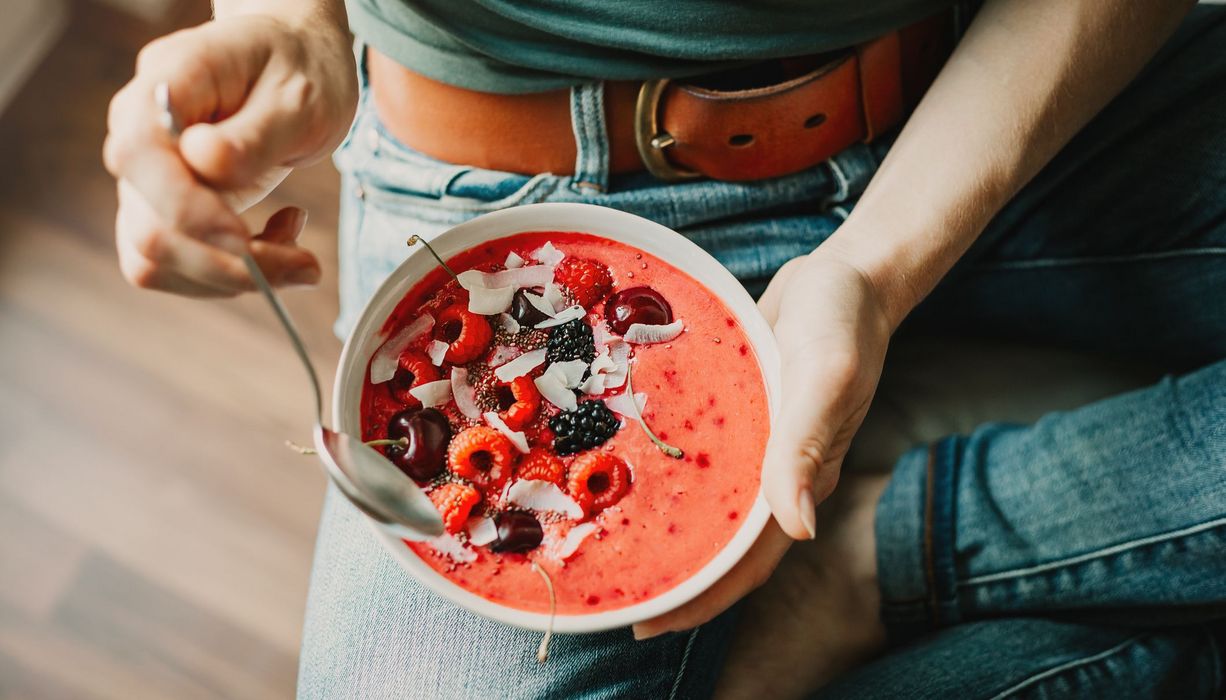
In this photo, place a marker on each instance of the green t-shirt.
(513, 46)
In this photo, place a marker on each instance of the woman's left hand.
(833, 330)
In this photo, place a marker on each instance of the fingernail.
(808, 511)
(227, 242)
(298, 222)
(640, 633)
(308, 276)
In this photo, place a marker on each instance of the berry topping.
(518, 402)
(413, 370)
(541, 465)
(428, 433)
(587, 280)
(525, 312)
(454, 502)
(517, 532)
(483, 456)
(589, 425)
(636, 305)
(571, 341)
(598, 480)
(467, 334)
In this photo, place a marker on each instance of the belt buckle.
(650, 139)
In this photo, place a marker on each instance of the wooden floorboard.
(155, 534)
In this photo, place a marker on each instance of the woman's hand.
(833, 331)
(256, 95)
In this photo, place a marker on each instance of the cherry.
(636, 305)
(517, 532)
(429, 433)
(524, 313)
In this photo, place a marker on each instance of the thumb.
(798, 471)
(264, 135)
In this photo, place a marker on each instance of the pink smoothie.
(705, 395)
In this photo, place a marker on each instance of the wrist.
(892, 271)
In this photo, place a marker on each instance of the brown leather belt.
(724, 126)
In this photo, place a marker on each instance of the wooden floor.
(155, 535)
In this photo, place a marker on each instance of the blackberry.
(571, 341)
(589, 425)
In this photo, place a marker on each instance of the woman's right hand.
(255, 96)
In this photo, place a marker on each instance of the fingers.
(269, 132)
(155, 257)
(798, 470)
(140, 150)
(285, 263)
(752, 571)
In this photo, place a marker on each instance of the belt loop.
(591, 139)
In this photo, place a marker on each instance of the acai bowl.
(587, 406)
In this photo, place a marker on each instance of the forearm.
(1025, 78)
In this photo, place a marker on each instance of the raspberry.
(414, 370)
(467, 334)
(572, 340)
(518, 402)
(589, 425)
(587, 280)
(541, 465)
(454, 502)
(483, 456)
(597, 481)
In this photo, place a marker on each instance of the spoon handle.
(296, 340)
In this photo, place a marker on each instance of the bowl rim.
(683, 254)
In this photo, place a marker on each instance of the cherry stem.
(303, 450)
(674, 452)
(415, 239)
(542, 652)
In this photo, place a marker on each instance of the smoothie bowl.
(585, 396)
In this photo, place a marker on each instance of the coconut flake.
(643, 333)
(387, 358)
(518, 277)
(556, 392)
(539, 303)
(437, 350)
(603, 363)
(539, 495)
(619, 354)
(573, 539)
(553, 295)
(481, 531)
(432, 394)
(570, 372)
(548, 255)
(464, 394)
(593, 385)
(563, 316)
(513, 261)
(521, 365)
(516, 437)
(621, 405)
(601, 336)
(488, 302)
(530, 276)
(508, 323)
(451, 547)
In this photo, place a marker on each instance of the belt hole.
(815, 120)
(740, 140)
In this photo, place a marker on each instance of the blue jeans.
(1082, 556)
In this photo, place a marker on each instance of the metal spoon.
(362, 474)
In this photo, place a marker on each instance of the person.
(1061, 180)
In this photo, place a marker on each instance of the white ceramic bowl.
(636, 231)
